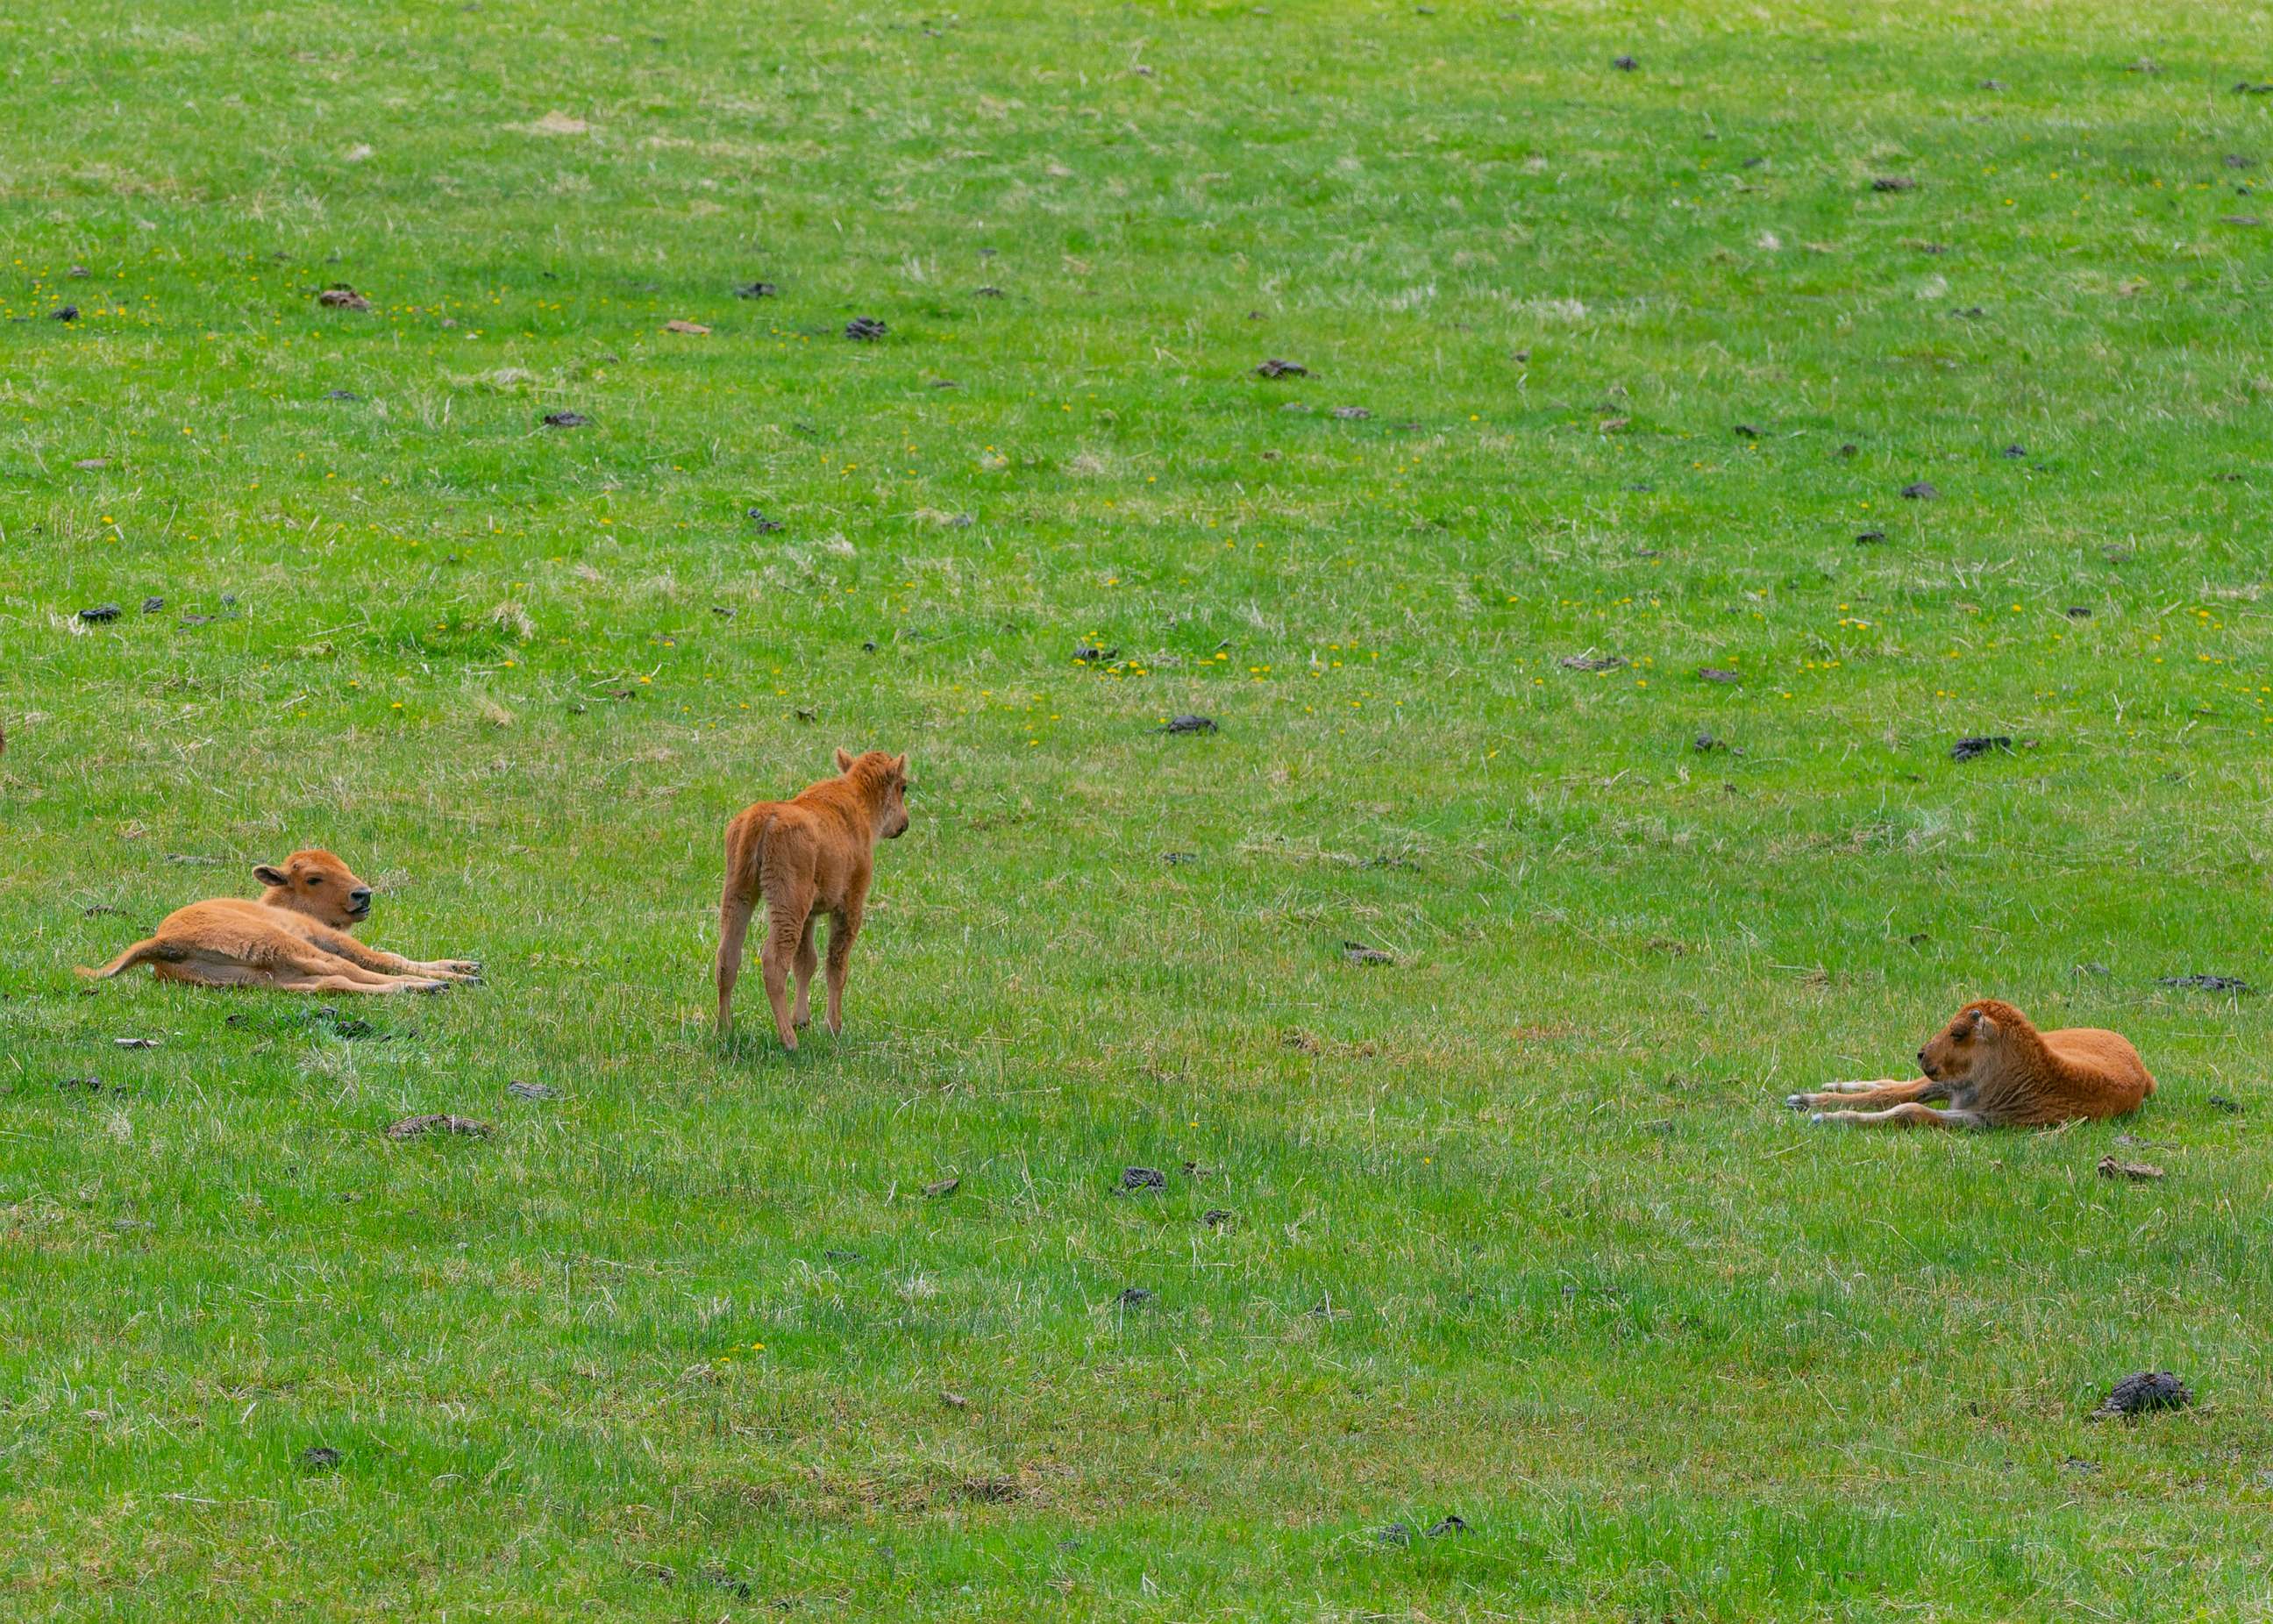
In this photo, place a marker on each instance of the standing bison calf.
(803, 858)
(295, 939)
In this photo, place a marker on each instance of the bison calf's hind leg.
(785, 928)
(807, 963)
(733, 927)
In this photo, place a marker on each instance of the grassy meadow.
(1625, 368)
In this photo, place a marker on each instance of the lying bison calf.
(295, 939)
(1997, 1070)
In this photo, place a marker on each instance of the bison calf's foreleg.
(344, 972)
(298, 980)
(1873, 1093)
(1912, 1115)
(378, 962)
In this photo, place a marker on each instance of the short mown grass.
(1511, 1229)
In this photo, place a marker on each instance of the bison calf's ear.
(269, 874)
(1983, 1027)
(900, 765)
(844, 759)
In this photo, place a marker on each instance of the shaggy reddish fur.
(1996, 1070)
(803, 858)
(295, 939)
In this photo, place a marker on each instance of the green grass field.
(1601, 364)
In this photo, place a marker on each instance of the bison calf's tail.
(139, 953)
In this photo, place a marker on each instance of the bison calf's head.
(1959, 1049)
(883, 780)
(317, 884)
